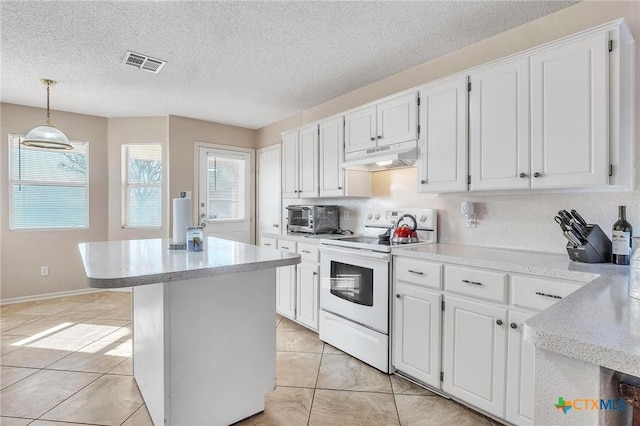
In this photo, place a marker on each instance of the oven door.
(355, 285)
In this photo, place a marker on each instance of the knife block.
(596, 249)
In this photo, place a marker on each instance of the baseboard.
(57, 294)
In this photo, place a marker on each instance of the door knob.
(203, 215)
(202, 204)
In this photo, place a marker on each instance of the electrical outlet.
(471, 223)
(44, 271)
(345, 214)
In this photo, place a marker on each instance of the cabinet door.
(520, 372)
(397, 119)
(331, 157)
(360, 129)
(308, 294)
(416, 338)
(286, 291)
(474, 357)
(570, 114)
(499, 127)
(290, 165)
(308, 165)
(443, 137)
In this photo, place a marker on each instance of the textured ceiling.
(238, 62)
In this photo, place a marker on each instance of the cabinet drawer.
(419, 272)
(476, 283)
(287, 245)
(539, 293)
(309, 252)
(269, 242)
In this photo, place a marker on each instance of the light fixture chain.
(48, 88)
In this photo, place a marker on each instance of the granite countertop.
(114, 264)
(599, 323)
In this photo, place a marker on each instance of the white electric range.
(356, 285)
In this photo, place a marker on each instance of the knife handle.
(579, 218)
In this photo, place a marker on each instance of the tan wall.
(23, 252)
(135, 130)
(523, 221)
(270, 135)
(183, 134)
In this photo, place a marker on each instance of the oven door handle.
(365, 254)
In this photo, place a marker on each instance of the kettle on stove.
(404, 232)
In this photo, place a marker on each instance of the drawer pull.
(472, 282)
(267, 244)
(286, 248)
(553, 296)
(306, 251)
(416, 272)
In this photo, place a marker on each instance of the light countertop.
(114, 264)
(599, 323)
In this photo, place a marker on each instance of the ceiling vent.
(143, 62)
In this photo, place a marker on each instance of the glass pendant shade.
(47, 136)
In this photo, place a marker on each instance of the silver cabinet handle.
(553, 296)
(267, 244)
(286, 248)
(416, 272)
(306, 251)
(471, 282)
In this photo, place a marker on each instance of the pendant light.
(47, 136)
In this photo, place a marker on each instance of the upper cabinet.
(499, 127)
(384, 123)
(334, 180)
(570, 114)
(442, 157)
(300, 163)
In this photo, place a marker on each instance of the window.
(142, 189)
(226, 175)
(48, 188)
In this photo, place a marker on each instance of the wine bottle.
(622, 232)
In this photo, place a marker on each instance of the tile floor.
(67, 361)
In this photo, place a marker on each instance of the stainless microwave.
(312, 219)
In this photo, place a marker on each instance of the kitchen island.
(203, 324)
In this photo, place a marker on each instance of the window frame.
(125, 185)
(12, 182)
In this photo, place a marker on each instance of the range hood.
(404, 154)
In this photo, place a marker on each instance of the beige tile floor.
(67, 361)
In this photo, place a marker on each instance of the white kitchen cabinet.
(474, 353)
(442, 147)
(300, 163)
(499, 129)
(384, 123)
(308, 294)
(416, 332)
(290, 164)
(570, 114)
(286, 284)
(334, 180)
(520, 372)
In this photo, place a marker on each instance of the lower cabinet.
(308, 292)
(416, 330)
(474, 353)
(286, 284)
(520, 372)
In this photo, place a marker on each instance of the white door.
(307, 294)
(331, 146)
(290, 184)
(475, 349)
(308, 162)
(360, 129)
(416, 337)
(224, 193)
(443, 137)
(397, 119)
(520, 372)
(499, 127)
(269, 203)
(570, 114)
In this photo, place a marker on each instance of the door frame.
(252, 181)
(273, 147)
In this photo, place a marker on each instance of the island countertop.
(598, 323)
(115, 264)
